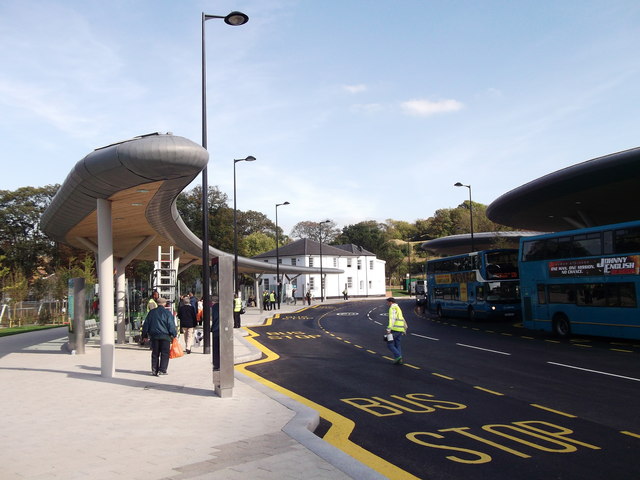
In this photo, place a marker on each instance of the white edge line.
(483, 349)
(595, 371)
(422, 336)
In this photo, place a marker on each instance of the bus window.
(562, 294)
(627, 240)
(480, 293)
(627, 295)
(586, 245)
(592, 294)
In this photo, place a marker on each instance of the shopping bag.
(176, 349)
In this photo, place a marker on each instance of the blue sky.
(355, 109)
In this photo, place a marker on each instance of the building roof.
(600, 191)
(141, 178)
(356, 249)
(304, 247)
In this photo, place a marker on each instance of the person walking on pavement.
(397, 327)
(293, 295)
(265, 300)
(160, 327)
(345, 294)
(187, 316)
(237, 310)
(308, 295)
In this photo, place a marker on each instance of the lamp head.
(458, 184)
(236, 19)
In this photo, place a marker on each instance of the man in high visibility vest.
(237, 308)
(397, 327)
(272, 299)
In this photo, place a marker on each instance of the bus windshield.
(503, 292)
(501, 264)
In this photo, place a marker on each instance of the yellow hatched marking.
(347, 341)
(631, 434)
(489, 391)
(357, 346)
(620, 350)
(553, 411)
(371, 351)
(411, 366)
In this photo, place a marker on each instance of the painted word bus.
(582, 281)
(480, 284)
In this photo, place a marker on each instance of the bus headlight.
(493, 307)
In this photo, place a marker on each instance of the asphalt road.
(473, 400)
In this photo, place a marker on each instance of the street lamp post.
(458, 184)
(234, 19)
(236, 274)
(321, 275)
(278, 256)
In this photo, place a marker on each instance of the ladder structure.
(165, 276)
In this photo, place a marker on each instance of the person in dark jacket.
(160, 327)
(187, 316)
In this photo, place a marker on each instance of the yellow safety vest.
(237, 304)
(396, 319)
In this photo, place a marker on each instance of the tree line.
(33, 266)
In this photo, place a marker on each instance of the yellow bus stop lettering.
(481, 457)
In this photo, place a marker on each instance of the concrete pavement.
(62, 420)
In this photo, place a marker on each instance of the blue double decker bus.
(582, 281)
(474, 285)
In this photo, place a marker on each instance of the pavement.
(63, 420)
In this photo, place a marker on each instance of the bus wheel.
(439, 311)
(561, 325)
(471, 314)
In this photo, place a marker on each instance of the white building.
(364, 274)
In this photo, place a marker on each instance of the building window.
(279, 261)
(349, 282)
(361, 284)
(335, 262)
(370, 264)
(359, 264)
(311, 261)
(293, 261)
(266, 284)
(348, 262)
(312, 283)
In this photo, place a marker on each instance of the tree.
(401, 230)
(311, 230)
(256, 243)
(368, 235)
(21, 239)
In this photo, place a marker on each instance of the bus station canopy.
(141, 178)
(457, 244)
(600, 191)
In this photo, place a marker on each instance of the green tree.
(256, 243)
(311, 230)
(21, 240)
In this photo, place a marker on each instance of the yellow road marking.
(442, 376)
(631, 434)
(489, 391)
(553, 411)
(341, 427)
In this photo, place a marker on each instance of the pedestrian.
(397, 327)
(308, 295)
(265, 300)
(200, 312)
(293, 295)
(188, 321)
(237, 310)
(345, 294)
(153, 301)
(193, 300)
(272, 300)
(160, 327)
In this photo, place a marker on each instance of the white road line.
(422, 336)
(484, 349)
(595, 371)
(375, 321)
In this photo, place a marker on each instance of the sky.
(354, 109)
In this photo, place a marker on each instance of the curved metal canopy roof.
(600, 191)
(142, 178)
(456, 244)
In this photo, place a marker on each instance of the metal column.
(223, 378)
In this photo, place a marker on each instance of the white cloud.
(424, 108)
(355, 88)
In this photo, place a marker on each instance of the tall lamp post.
(278, 255)
(236, 274)
(458, 184)
(234, 19)
(321, 275)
